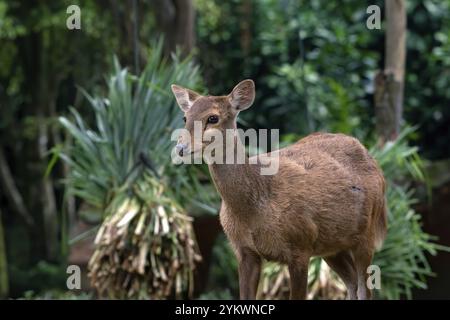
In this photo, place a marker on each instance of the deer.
(326, 200)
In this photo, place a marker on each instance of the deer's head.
(209, 113)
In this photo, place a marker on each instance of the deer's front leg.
(249, 271)
(298, 271)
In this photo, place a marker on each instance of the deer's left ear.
(243, 95)
(185, 97)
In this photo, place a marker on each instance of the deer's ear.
(242, 95)
(185, 97)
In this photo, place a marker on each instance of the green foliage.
(4, 279)
(311, 61)
(137, 117)
(56, 294)
(314, 63)
(402, 259)
(427, 75)
(223, 273)
(40, 277)
(122, 167)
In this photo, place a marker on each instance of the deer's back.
(322, 199)
(345, 150)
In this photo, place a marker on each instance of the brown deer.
(327, 199)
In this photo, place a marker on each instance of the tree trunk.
(10, 190)
(4, 282)
(245, 26)
(389, 83)
(50, 216)
(43, 95)
(176, 19)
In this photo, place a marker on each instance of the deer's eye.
(213, 119)
(184, 119)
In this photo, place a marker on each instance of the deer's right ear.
(185, 97)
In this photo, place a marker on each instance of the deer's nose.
(180, 148)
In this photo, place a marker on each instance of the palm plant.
(402, 258)
(121, 167)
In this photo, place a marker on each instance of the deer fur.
(327, 200)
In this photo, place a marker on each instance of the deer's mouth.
(191, 153)
(195, 152)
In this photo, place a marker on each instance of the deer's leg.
(363, 257)
(298, 271)
(249, 272)
(342, 263)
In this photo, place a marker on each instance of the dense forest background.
(313, 62)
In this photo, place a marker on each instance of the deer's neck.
(240, 185)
